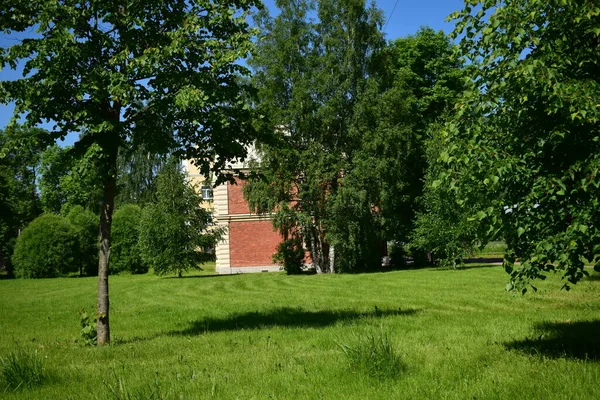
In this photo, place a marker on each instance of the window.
(207, 193)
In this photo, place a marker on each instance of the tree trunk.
(106, 213)
(317, 251)
(331, 259)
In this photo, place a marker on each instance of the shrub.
(89, 328)
(86, 226)
(125, 252)
(374, 354)
(46, 248)
(290, 254)
(21, 369)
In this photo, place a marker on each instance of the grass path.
(272, 336)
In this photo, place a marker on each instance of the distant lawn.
(494, 249)
(458, 334)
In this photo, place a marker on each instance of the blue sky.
(406, 19)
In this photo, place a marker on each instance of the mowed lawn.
(272, 336)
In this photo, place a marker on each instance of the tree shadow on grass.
(466, 267)
(199, 276)
(284, 317)
(594, 277)
(579, 340)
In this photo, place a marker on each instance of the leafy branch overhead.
(161, 73)
(527, 134)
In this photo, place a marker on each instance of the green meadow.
(414, 334)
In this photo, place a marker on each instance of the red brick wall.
(237, 203)
(252, 243)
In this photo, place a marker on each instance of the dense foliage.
(46, 248)
(290, 254)
(19, 201)
(85, 225)
(309, 74)
(125, 255)
(66, 181)
(137, 172)
(175, 230)
(395, 126)
(527, 135)
(350, 117)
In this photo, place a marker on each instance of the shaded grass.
(565, 339)
(283, 317)
(457, 333)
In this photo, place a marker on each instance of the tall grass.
(120, 390)
(374, 353)
(21, 369)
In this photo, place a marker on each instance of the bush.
(47, 247)
(86, 226)
(89, 328)
(374, 354)
(290, 254)
(124, 251)
(21, 369)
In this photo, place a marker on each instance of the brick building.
(249, 241)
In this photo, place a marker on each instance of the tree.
(527, 135)
(161, 73)
(136, 178)
(443, 226)
(67, 181)
(20, 150)
(85, 226)
(309, 74)
(125, 250)
(175, 230)
(414, 89)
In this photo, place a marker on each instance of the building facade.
(249, 241)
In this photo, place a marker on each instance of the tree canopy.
(527, 135)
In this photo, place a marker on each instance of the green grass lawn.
(272, 336)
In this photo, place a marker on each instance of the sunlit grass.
(453, 334)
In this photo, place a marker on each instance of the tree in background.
(125, 251)
(67, 181)
(137, 172)
(527, 135)
(176, 233)
(444, 225)
(85, 226)
(161, 73)
(414, 89)
(310, 74)
(20, 150)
